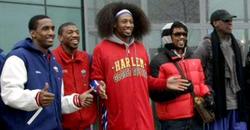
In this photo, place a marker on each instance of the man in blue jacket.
(2, 56)
(31, 83)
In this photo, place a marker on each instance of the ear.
(60, 38)
(33, 34)
(215, 23)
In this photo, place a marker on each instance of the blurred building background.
(15, 15)
(195, 13)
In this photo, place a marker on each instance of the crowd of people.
(44, 89)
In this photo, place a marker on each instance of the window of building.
(17, 13)
(228, 5)
(60, 15)
(67, 3)
(161, 11)
(14, 24)
(24, 1)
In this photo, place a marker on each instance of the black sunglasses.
(178, 34)
(228, 20)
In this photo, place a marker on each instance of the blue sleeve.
(2, 57)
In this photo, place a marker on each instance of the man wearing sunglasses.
(175, 109)
(222, 58)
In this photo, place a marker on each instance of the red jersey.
(76, 80)
(124, 68)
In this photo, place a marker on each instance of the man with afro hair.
(121, 63)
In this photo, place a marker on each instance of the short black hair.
(178, 24)
(60, 29)
(33, 21)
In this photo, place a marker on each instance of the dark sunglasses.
(178, 34)
(226, 21)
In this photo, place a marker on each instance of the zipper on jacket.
(75, 84)
(127, 49)
(53, 89)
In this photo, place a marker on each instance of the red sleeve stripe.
(37, 98)
(76, 101)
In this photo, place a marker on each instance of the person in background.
(170, 104)
(223, 59)
(120, 60)
(76, 70)
(247, 76)
(31, 83)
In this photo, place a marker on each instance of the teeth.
(74, 40)
(50, 39)
(181, 41)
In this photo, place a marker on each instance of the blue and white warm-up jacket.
(24, 74)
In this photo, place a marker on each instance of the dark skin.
(70, 38)
(123, 29)
(224, 28)
(43, 38)
(180, 40)
(46, 98)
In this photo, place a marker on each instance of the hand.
(177, 83)
(102, 90)
(209, 102)
(45, 97)
(86, 98)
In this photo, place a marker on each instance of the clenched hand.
(86, 98)
(45, 97)
(102, 90)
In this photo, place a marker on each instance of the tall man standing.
(75, 64)
(222, 59)
(121, 61)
